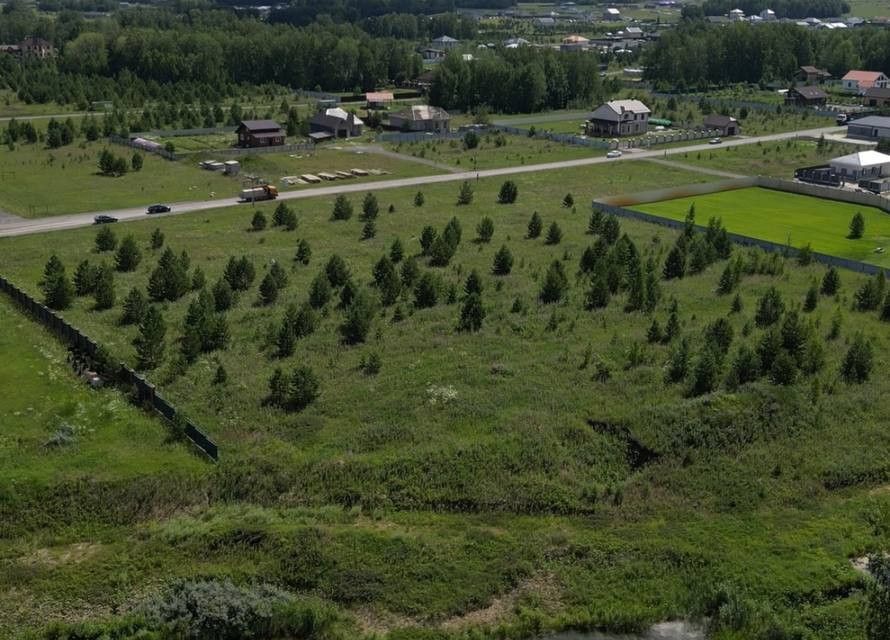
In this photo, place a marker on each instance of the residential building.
(445, 42)
(813, 75)
(859, 81)
(378, 99)
(736, 15)
(260, 133)
(611, 13)
(30, 47)
(574, 43)
(767, 14)
(869, 128)
(432, 55)
(515, 43)
(864, 164)
(334, 123)
(421, 118)
(876, 97)
(618, 118)
(806, 96)
(726, 125)
(548, 23)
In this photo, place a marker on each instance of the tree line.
(698, 55)
(783, 8)
(519, 81)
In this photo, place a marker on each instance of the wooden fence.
(144, 391)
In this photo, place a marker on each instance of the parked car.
(159, 208)
(614, 153)
(842, 118)
(103, 219)
(715, 140)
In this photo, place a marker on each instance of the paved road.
(42, 225)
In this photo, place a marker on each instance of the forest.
(698, 55)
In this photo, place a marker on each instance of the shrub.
(105, 240)
(858, 362)
(426, 291)
(269, 289)
(258, 223)
(857, 226)
(535, 226)
(503, 261)
(485, 229)
(223, 296)
(359, 318)
(427, 238)
(396, 251)
(342, 208)
(831, 282)
(134, 307)
(419, 199)
(812, 299)
(371, 364)
(370, 207)
(239, 273)
(784, 369)
(337, 271)
(556, 284)
(568, 201)
(369, 230)
(472, 313)
(304, 252)
(770, 308)
(319, 291)
(508, 192)
(441, 252)
(471, 140)
(409, 273)
(157, 239)
(128, 255)
(554, 234)
(465, 195)
(598, 295)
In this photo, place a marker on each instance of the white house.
(863, 164)
(767, 14)
(611, 13)
(618, 118)
(858, 81)
(736, 15)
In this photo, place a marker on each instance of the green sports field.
(789, 219)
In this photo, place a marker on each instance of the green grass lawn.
(479, 480)
(110, 438)
(776, 159)
(513, 151)
(787, 218)
(40, 182)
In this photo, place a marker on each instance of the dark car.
(103, 219)
(159, 208)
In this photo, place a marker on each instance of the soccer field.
(787, 218)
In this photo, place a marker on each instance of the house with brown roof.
(813, 75)
(876, 97)
(859, 81)
(806, 96)
(726, 125)
(260, 133)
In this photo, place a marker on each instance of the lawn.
(776, 159)
(495, 150)
(109, 438)
(788, 218)
(41, 182)
(537, 475)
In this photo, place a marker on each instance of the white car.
(614, 153)
(715, 141)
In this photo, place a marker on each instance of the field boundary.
(764, 182)
(144, 392)
(747, 241)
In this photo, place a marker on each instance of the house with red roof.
(859, 81)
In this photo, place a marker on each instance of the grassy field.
(776, 159)
(495, 481)
(869, 8)
(788, 218)
(40, 182)
(494, 150)
(110, 439)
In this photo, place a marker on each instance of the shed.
(869, 128)
(726, 125)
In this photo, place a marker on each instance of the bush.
(359, 318)
(342, 208)
(427, 238)
(556, 284)
(465, 195)
(508, 192)
(128, 255)
(157, 239)
(258, 223)
(396, 251)
(304, 252)
(770, 308)
(105, 240)
(426, 291)
(554, 234)
(369, 230)
(857, 226)
(535, 226)
(568, 201)
(471, 140)
(135, 305)
(239, 273)
(485, 229)
(831, 282)
(337, 271)
(503, 261)
(419, 199)
(858, 362)
(370, 207)
(472, 313)
(320, 291)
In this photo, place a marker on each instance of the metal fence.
(144, 391)
(731, 103)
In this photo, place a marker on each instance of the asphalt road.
(56, 223)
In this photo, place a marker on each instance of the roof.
(321, 135)
(718, 120)
(575, 39)
(810, 93)
(379, 96)
(613, 109)
(863, 159)
(263, 135)
(612, 11)
(633, 30)
(873, 121)
(867, 78)
(445, 39)
(333, 117)
(422, 112)
(814, 70)
(877, 92)
(260, 125)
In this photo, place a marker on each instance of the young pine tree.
(104, 293)
(503, 261)
(57, 289)
(535, 226)
(150, 341)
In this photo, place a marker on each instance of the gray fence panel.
(73, 337)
